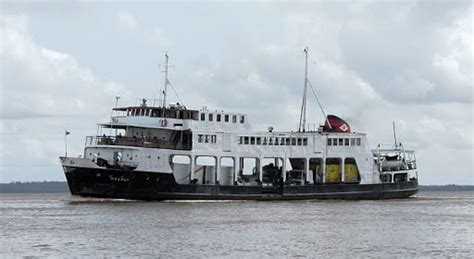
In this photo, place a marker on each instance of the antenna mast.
(303, 103)
(166, 80)
(394, 135)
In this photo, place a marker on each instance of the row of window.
(343, 141)
(219, 117)
(275, 141)
(207, 138)
(166, 113)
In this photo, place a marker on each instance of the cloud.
(156, 36)
(127, 21)
(43, 92)
(41, 81)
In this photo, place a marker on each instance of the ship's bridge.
(176, 117)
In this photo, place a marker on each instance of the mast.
(394, 135)
(166, 80)
(303, 103)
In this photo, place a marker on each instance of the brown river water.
(432, 224)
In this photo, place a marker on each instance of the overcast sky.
(62, 63)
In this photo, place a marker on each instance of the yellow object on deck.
(350, 173)
(333, 173)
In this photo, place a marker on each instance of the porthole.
(157, 157)
(149, 157)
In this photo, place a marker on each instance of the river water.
(431, 224)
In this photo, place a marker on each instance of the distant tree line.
(446, 188)
(34, 187)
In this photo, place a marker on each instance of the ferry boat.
(159, 151)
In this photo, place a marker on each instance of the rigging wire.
(319, 103)
(176, 93)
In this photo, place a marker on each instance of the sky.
(371, 63)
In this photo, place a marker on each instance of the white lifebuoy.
(163, 122)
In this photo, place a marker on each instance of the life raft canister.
(163, 122)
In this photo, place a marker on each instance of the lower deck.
(139, 185)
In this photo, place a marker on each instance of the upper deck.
(176, 117)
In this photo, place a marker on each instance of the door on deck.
(226, 142)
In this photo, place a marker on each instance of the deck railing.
(136, 142)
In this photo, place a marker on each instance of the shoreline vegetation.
(61, 187)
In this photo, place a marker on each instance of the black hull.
(138, 185)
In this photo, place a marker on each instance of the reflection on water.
(432, 224)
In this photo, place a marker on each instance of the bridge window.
(358, 141)
(240, 140)
(270, 141)
(305, 142)
(242, 119)
(246, 140)
(329, 141)
(346, 142)
(234, 118)
(288, 142)
(293, 141)
(259, 141)
(211, 117)
(264, 141)
(203, 116)
(218, 117)
(226, 118)
(353, 141)
(341, 142)
(299, 141)
(252, 140)
(213, 139)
